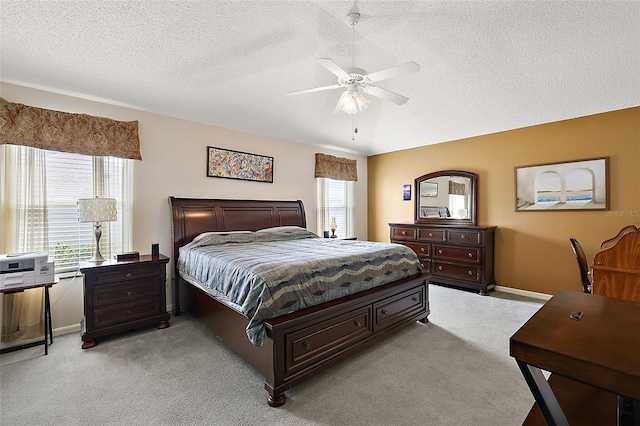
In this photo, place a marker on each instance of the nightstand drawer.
(130, 273)
(121, 314)
(125, 293)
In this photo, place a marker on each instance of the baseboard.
(525, 293)
(66, 330)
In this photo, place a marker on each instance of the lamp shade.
(351, 102)
(97, 210)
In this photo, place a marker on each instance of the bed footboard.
(307, 342)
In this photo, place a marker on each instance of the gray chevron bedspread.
(273, 272)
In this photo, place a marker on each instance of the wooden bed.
(302, 344)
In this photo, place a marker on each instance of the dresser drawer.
(327, 338)
(465, 254)
(400, 233)
(425, 263)
(135, 272)
(465, 237)
(405, 304)
(437, 235)
(125, 293)
(118, 314)
(463, 272)
(420, 249)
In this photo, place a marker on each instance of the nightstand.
(123, 295)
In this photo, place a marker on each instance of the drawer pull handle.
(470, 254)
(439, 268)
(464, 237)
(128, 275)
(421, 248)
(414, 298)
(357, 323)
(128, 293)
(440, 251)
(431, 234)
(470, 272)
(384, 312)
(306, 344)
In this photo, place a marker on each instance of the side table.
(123, 295)
(48, 328)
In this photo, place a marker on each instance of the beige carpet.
(456, 370)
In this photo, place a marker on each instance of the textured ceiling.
(486, 66)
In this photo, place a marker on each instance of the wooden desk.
(601, 349)
(48, 328)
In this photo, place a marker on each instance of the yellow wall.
(532, 249)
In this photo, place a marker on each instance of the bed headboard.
(193, 216)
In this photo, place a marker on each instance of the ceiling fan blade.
(396, 71)
(385, 94)
(314, 89)
(334, 68)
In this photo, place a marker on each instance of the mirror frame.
(473, 206)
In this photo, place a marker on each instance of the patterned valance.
(328, 166)
(457, 188)
(62, 131)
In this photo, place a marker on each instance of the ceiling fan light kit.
(351, 101)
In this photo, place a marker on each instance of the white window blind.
(335, 200)
(71, 176)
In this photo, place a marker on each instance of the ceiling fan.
(355, 80)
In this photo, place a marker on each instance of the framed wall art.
(573, 185)
(406, 192)
(226, 163)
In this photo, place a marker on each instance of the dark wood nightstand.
(123, 295)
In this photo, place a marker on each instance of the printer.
(22, 269)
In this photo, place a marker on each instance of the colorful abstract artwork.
(226, 163)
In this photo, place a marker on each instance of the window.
(62, 179)
(335, 200)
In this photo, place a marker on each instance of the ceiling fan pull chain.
(354, 128)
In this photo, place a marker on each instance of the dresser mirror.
(446, 197)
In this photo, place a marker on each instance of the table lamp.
(97, 210)
(333, 227)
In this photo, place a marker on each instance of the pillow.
(280, 229)
(207, 234)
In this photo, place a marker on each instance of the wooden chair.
(582, 265)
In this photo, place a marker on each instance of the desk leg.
(47, 320)
(48, 306)
(543, 394)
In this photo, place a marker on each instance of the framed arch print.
(574, 185)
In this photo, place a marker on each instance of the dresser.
(123, 295)
(460, 256)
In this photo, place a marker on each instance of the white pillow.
(281, 229)
(206, 234)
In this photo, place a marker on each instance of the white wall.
(174, 154)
